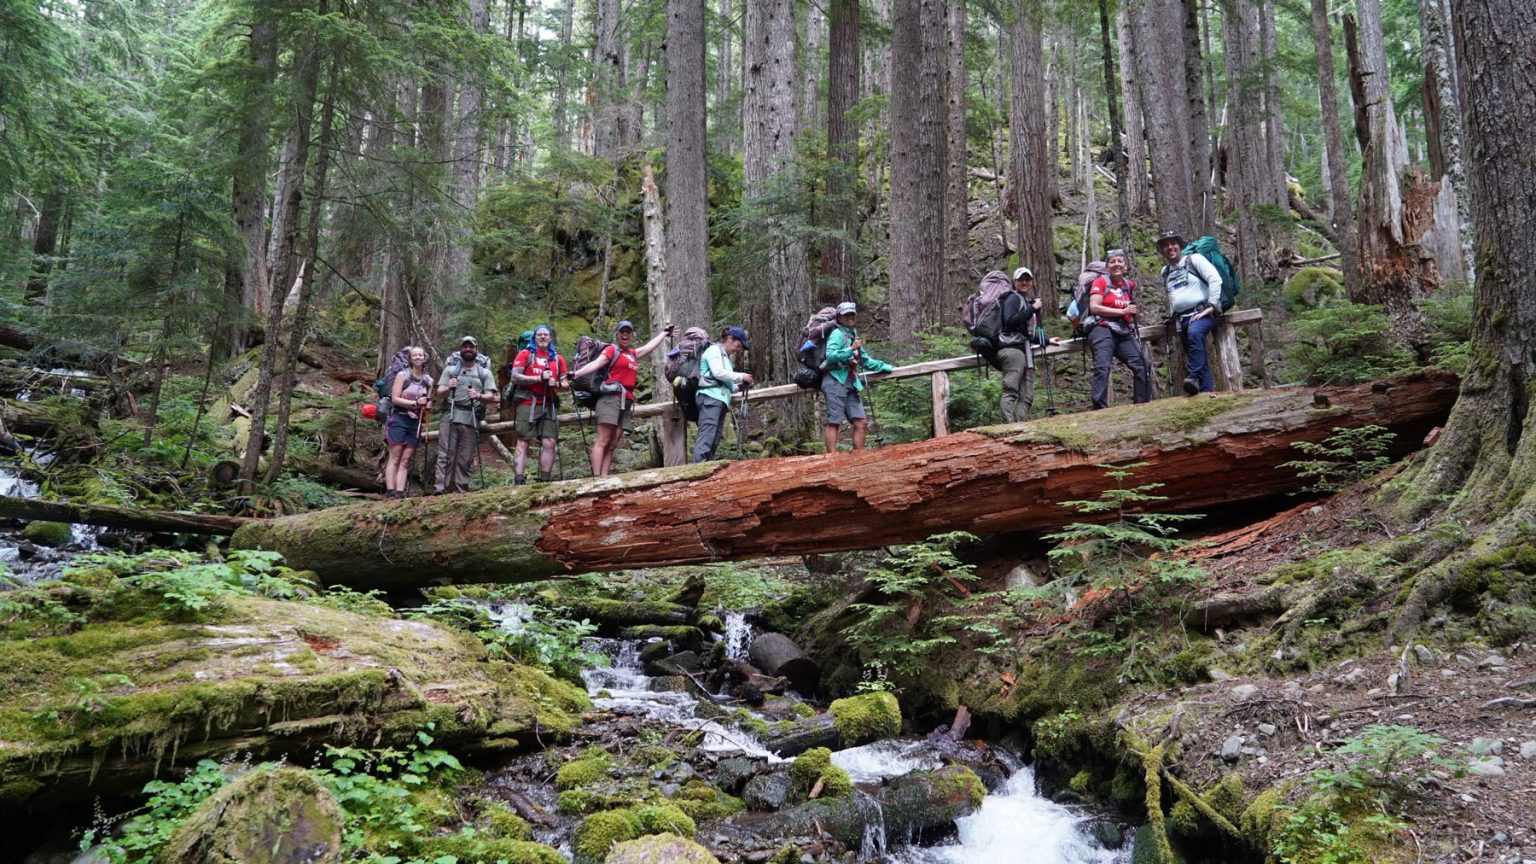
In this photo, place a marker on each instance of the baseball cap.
(740, 335)
(1022, 272)
(624, 325)
(847, 307)
(470, 340)
(1167, 235)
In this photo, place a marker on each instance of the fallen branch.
(33, 509)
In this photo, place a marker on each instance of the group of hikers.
(833, 355)
(1104, 312)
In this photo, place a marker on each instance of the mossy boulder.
(815, 766)
(268, 816)
(660, 849)
(54, 534)
(483, 849)
(501, 822)
(703, 802)
(582, 772)
(1312, 287)
(1144, 848)
(867, 717)
(598, 833)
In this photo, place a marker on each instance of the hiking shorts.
(401, 429)
(613, 409)
(843, 402)
(528, 427)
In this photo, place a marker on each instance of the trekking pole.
(741, 424)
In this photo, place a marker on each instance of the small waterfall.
(872, 763)
(738, 636)
(872, 847)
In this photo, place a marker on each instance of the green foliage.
(28, 612)
(190, 587)
(1451, 316)
(1346, 343)
(904, 408)
(534, 638)
(885, 633)
(1346, 457)
(1118, 554)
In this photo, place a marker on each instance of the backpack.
(386, 383)
(455, 365)
(682, 369)
(512, 393)
(812, 353)
(982, 312)
(587, 388)
(1211, 251)
(1077, 311)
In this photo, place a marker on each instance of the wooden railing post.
(940, 404)
(1226, 362)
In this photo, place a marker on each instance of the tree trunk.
(468, 156)
(1202, 202)
(687, 200)
(1140, 199)
(1245, 145)
(1279, 233)
(1008, 479)
(1030, 151)
(1397, 202)
(674, 428)
(127, 518)
(811, 66)
(727, 125)
(1342, 208)
(1442, 122)
(769, 181)
(563, 77)
(844, 56)
(958, 278)
(777, 654)
(1160, 74)
(1117, 143)
(917, 170)
(1487, 457)
(607, 75)
(247, 282)
(908, 805)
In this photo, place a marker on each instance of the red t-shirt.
(623, 367)
(533, 362)
(1115, 296)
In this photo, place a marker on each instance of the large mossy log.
(263, 677)
(1206, 451)
(908, 806)
(33, 509)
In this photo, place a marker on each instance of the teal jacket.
(840, 357)
(715, 365)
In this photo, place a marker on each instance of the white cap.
(1022, 272)
(846, 307)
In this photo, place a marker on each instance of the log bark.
(909, 805)
(818, 730)
(990, 480)
(777, 654)
(118, 517)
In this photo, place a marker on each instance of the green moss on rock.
(600, 832)
(665, 819)
(483, 849)
(582, 772)
(867, 717)
(53, 534)
(268, 816)
(502, 822)
(661, 849)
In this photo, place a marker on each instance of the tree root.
(1155, 772)
(1435, 584)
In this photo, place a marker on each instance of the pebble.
(1267, 729)
(1447, 673)
(1232, 748)
(1424, 654)
(1218, 675)
(1354, 677)
(1245, 691)
(1528, 750)
(1486, 767)
(1486, 746)
(1493, 661)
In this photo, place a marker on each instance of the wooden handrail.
(1151, 333)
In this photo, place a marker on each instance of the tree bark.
(607, 75)
(1278, 227)
(1245, 144)
(1342, 211)
(1202, 203)
(674, 428)
(1117, 143)
(687, 201)
(1135, 127)
(777, 654)
(1443, 121)
(1160, 74)
(247, 281)
(34, 509)
(1002, 479)
(838, 255)
(811, 66)
(1031, 153)
(957, 216)
(563, 78)
(917, 170)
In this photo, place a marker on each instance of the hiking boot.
(1191, 387)
(520, 480)
(544, 477)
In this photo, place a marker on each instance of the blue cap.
(545, 328)
(624, 325)
(739, 335)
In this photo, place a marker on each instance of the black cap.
(1169, 234)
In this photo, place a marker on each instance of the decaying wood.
(118, 517)
(1207, 451)
(908, 805)
(778, 655)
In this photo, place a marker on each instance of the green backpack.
(1208, 247)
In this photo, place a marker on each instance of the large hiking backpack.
(813, 347)
(1211, 249)
(982, 313)
(451, 369)
(512, 393)
(1077, 311)
(682, 369)
(384, 385)
(588, 388)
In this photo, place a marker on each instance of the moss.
(1184, 819)
(481, 849)
(267, 816)
(598, 833)
(1496, 574)
(502, 822)
(89, 577)
(1312, 287)
(582, 772)
(1262, 817)
(1228, 797)
(959, 783)
(1082, 783)
(665, 819)
(48, 533)
(704, 803)
(653, 756)
(579, 801)
(661, 850)
(867, 717)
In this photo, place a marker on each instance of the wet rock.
(1106, 833)
(52, 534)
(681, 663)
(660, 849)
(910, 805)
(733, 773)
(766, 791)
(268, 816)
(1232, 748)
(819, 730)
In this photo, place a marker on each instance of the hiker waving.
(843, 385)
(1112, 302)
(618, 399)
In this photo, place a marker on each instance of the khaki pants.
(1018, 384)
(461, 457)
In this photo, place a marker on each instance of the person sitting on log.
(718, 379)
(843, 385)
(1194, 300)
(409, 393)
(614, 407)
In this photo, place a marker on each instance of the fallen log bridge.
(1206, 451)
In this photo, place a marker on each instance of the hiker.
(466, 380)
(617, 402)
(1113, 333)
(1194, 301)
(847, 363)
(1020, 322)
(409, 394)
(718, 379)
(538, 372)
